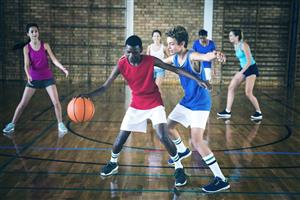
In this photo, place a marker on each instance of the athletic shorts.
(40, 84)
(188, 117)
(252, 69)
(136, 120)
(207, 72)
(158, 72)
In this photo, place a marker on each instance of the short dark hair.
(134, 40)
(180, 34)
(202, 32)
(156, 31)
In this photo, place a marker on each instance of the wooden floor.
(261, 160)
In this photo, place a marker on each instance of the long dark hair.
(20, 45)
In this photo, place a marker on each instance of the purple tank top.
(39, 66)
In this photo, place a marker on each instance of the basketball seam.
(74, 110)
(83, 109)
(93, 111)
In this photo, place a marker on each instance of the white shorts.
(187, 117)
(207, 72)
(136, 120)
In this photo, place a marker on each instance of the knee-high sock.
(211, 161)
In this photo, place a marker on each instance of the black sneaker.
(181, 156)
(180, 177)
(109, 169)
(224, 114)
(216, 185)
(256, 115)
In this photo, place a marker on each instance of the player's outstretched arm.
(180, 71)
(114, 74)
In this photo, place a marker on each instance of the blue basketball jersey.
(197, 46)
(195, 97)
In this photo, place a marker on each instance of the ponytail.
(239, 33)
(20, 45)
(23, 44)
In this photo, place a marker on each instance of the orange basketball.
(81, 109)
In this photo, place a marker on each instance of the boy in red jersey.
(137, 70)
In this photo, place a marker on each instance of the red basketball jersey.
(145, 93)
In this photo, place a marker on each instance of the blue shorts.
(158, 72)
(40, 84)
(252, 69)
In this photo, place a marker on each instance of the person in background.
(158, 50)
(203, 46)
(248, 72)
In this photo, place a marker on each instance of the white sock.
(177, 162)
(114, 157)
(227, 110)
(211, 161)
(179, 145)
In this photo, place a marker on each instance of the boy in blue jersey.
(194, 108)
(203, 46)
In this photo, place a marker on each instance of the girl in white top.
(158, 50)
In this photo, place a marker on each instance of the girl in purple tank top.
(39, 75)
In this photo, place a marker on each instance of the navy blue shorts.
(41, 84)
(252, 69)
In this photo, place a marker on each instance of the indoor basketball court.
(40, 160)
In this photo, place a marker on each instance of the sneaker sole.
(181, 184)
(187, 155)
(8, 132)
(60, 131)
(256, 117)
(223, 116)
(224, 188)
(115, 171)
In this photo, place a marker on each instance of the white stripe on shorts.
(136, 120)
(188, 117)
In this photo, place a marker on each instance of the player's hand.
(220, 57)
(204, 84)
(29, 80)
(66, 72)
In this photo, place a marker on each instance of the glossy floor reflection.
(260, 158)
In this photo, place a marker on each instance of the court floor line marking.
(138, 150)
(285, 137)
(36, 138)
(262, 153)
(197, 191)
(142, 175)
(144, 166)
(62, 99)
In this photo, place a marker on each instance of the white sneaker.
(9, 128)
(62, 128)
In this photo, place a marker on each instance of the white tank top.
(158, 54)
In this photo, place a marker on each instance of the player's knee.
(56, 104)
(248, 93)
